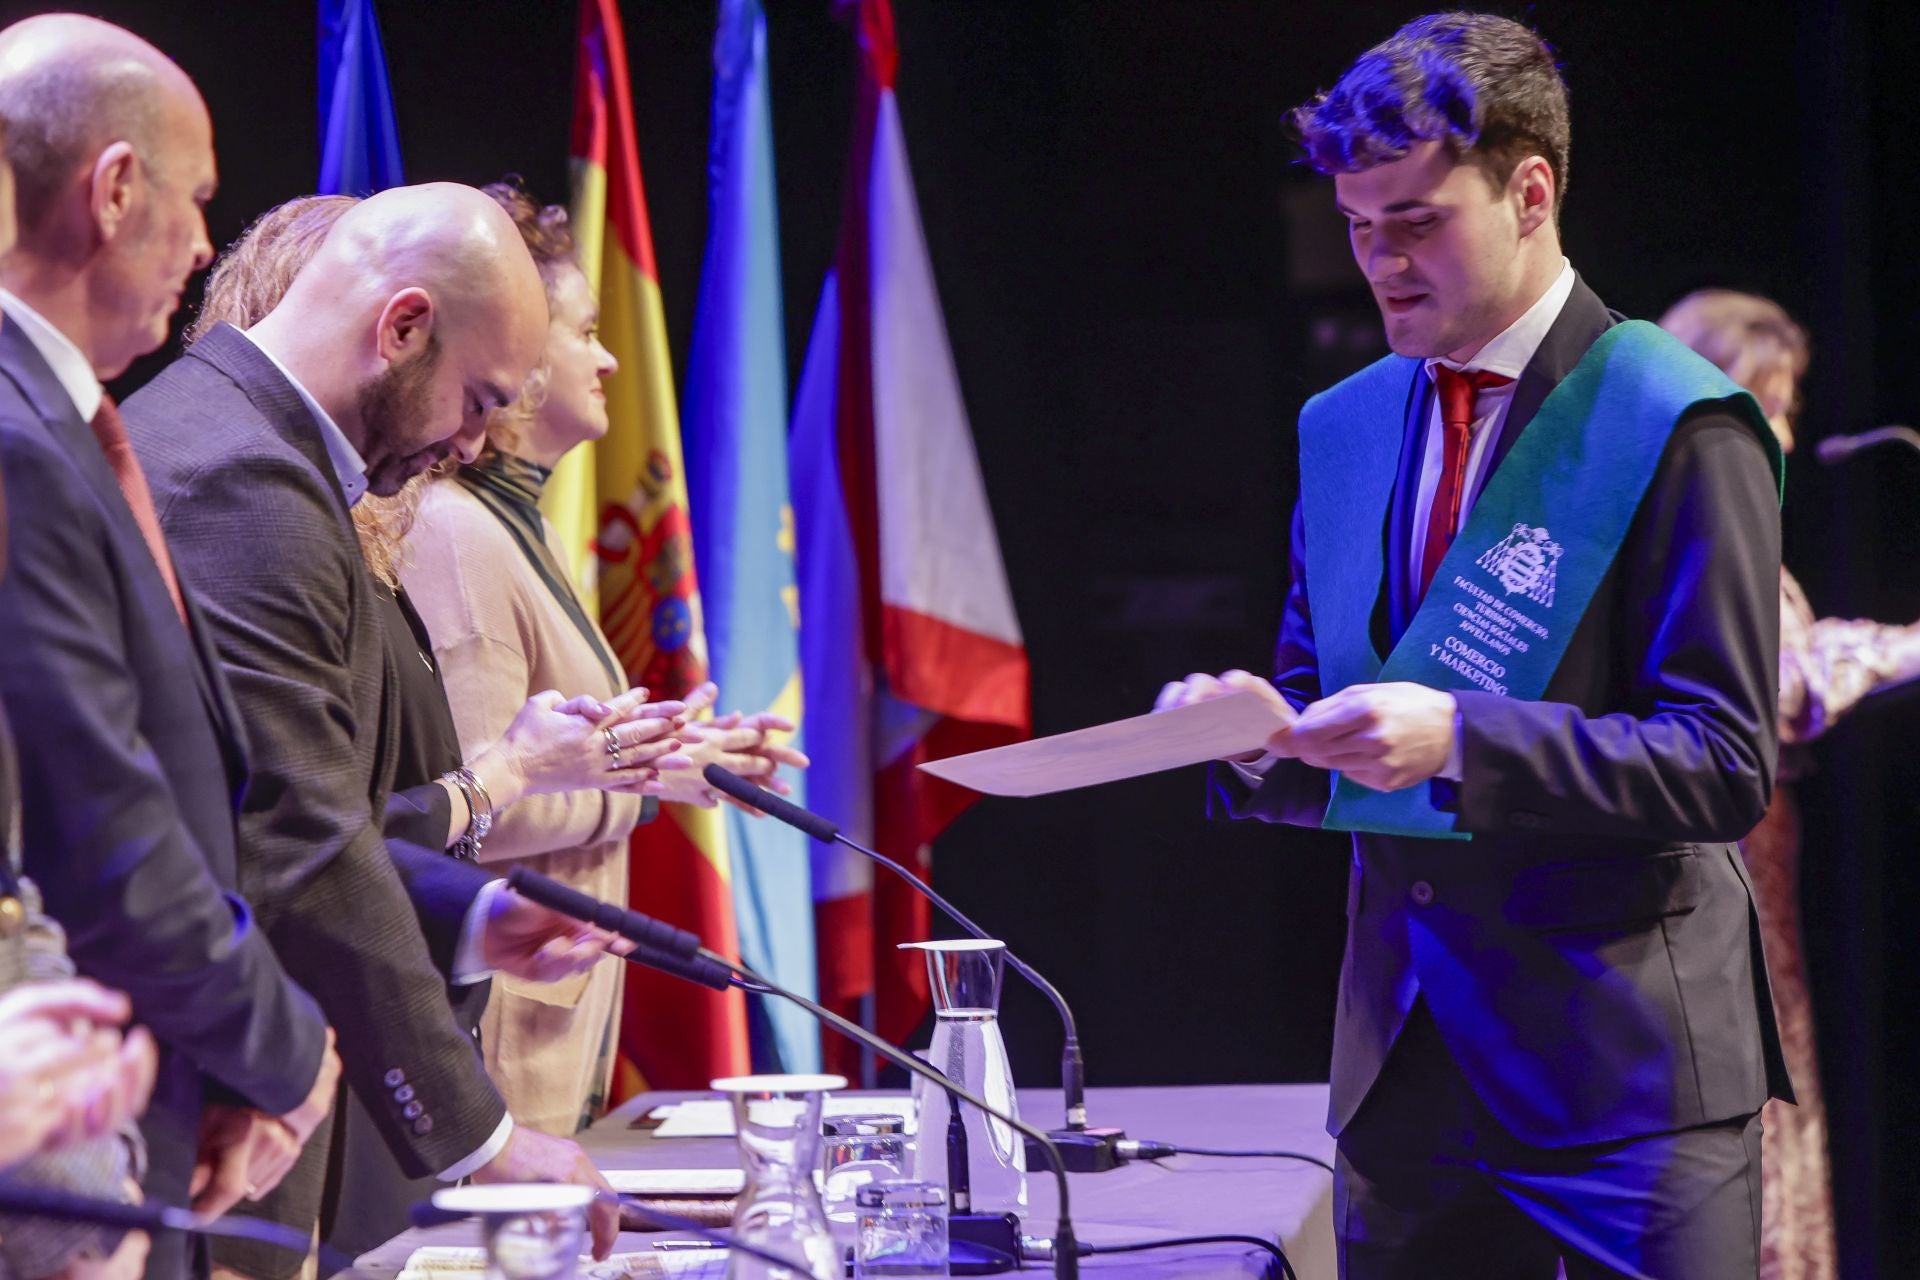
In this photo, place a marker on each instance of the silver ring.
(613, 748)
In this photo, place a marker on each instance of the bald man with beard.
(131, 751)
(420, 313)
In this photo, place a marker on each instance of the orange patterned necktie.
(1458, 387)
(111, 432)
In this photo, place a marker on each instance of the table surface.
(1288, 1201)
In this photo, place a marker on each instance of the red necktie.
(1457, 387)
(111, 432)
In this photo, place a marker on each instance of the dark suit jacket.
(1591, 958)
(255, 514)
(131, 763)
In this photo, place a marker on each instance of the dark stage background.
(1141, 287)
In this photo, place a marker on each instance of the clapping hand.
(67, 1072)
(650, 736)
(574, 744)
(739, 743)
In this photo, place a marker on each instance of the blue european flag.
(359, 140)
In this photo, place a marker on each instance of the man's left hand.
(1383, 736)
(531, 942)
(243, 1155)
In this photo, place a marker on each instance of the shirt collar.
(69, 364)
(1509, 353)
(348, 465)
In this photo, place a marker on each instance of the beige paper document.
(1228, 726)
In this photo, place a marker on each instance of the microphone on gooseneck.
(1086, 1151)
(1839, 448)
(643, 930)
(710, 970)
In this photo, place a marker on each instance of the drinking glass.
(902, 1232)
(777, 1118)
(532, 1231)
(859, 1149)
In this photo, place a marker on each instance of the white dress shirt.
(468, 966)
(348, 466)
(69, 364)
(1508, 354)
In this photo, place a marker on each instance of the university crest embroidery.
(1524, 562)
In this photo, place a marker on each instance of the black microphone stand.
(1085, 1150)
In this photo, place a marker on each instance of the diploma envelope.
(1229, 726)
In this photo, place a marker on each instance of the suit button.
(1422, 892)
(396, 1078)
(403, 1094)
(423, 1126)
(412, 1110)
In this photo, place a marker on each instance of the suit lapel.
(28, 370)
(22, 363)
(1581, 321)
(1390, 617)
(277, 400)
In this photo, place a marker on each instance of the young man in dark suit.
(131, 752)
(420, 313)
(1529, 659)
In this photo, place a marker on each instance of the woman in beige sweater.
(489, 576)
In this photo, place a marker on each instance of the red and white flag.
(910, 648)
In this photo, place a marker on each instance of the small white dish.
(497, 1198)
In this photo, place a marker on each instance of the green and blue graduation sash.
(1523, 567)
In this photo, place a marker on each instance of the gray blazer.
(257, 522)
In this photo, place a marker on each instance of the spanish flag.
(622, 507)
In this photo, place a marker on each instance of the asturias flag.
(624, 501)
(910, 649)
(359, 141)
(736, 424)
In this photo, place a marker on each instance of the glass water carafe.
(968, 1049)
(777, 1119)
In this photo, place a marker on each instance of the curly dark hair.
(1485, 86)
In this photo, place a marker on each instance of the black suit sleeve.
(313, 856)
(1289, 791)
(1699, 578)
(102, 832)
